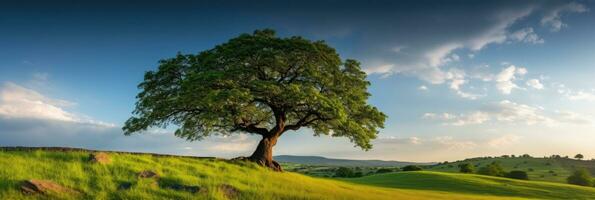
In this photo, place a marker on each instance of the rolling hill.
(210, 178)
(542, 169)
(322, 161)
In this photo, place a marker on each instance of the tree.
(259, 84)
(344, 172)
(411, 168)
(466, 168)
(492, 169)
(383, 170)
(517, 174)
(580, 177)
(579, 156)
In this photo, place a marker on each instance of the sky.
(457, 79)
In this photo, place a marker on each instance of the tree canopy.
(259, 84)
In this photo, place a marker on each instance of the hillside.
(542, 169)
(322, 161)
(476, 184)
(210, 178)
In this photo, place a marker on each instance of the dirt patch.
(45, 187)
(148, 174)
(100, 158)
(229, 191)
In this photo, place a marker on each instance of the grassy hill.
(542, 169)
(476, 184)
(322, 161)
(73, 170)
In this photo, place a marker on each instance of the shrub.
(493, 169)
(358, 174)
(344, 172)
(517, 174)
(411, 168)
(580, 177)
(466, 168)
(383, 170)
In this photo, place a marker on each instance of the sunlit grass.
(97, 181)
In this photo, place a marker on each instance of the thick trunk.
(263, 155)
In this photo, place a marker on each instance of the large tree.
(259, 84)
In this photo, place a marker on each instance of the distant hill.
(542, 169)
(319, 160)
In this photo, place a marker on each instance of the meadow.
(103, 181)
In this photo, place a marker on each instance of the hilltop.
(210, 178)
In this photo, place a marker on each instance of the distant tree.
(358, 174)
(580, 177)
(259, 84)
(492, 169)
(517, 174)
(526, 156)
(383, 170)
(505, 156)
(579, 156)
(344, 172)
(411, 168)
(466, 168)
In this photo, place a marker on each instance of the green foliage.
(517, 174)
(411, 168)
(493, 169)
(580, 177)
(466, 168)
(259, 84)
(344, 172)
(383, 170)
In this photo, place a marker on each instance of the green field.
(476, 184)
(96, 181)
(541, 169)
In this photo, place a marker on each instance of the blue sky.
(457, 79)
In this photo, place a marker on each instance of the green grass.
(541, 169)
(96, 181)
(477, 185)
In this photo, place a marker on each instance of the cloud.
(459, 120)
(552, 18)
(505, 79)
(580, 95)
(535, 83)
(234, 144)
(526, 35)
(452, 144)
(504, 140)
(391, 140)
(422, 87)
(20, 102)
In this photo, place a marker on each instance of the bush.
(383, 170)
(580, 177)
(466, 168)
(344, 172)
(517, 174)
(411, 168)
(493, 169)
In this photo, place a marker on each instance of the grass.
(541, 169)
(97, 181)
(477, 185)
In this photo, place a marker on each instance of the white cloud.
(391, 140)
(526, 35)
(509, 111)
(235, 143)
(452, 144)
(535, 83)
(553, 19)
(459, 120)
(580, 95)
(385, 70)
(20, 102)
(504, 79)
(422, 87)
(504, 140)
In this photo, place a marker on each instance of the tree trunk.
(263, 155)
